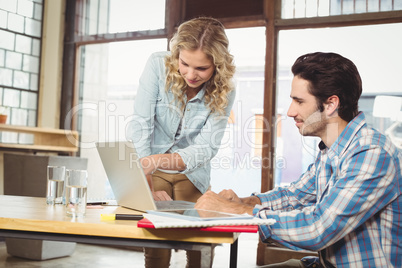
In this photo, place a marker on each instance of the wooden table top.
(33, 214)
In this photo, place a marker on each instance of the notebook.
(127, 179)
(159, 221)
(199, 214)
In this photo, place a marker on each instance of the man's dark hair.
(331, 74)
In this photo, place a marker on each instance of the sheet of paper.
(169, 222)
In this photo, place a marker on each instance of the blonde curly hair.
(207, 34)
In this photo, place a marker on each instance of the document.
(199, 214)
(159, 221)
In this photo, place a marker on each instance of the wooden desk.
(30, 217)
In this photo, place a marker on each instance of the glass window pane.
(9, 5)
(109, 82)
(38, 11)
(360, 6)
(238, 162)
(3, 19)
(32, 118)
(376, 52)
(15, 23)
(12, 97)
(300, 9)
(397, 4)
(31, 64)
(386, 5)
(23, 44)
(25, 138)
(348, 7)
(311, 8)
(28, 100)
(314, 8)
(124, 16)
(323, 7)
(32, 27)
(7, 40)
(13, 60)
(21, 80)
(127, 15)
(2, 57)
(9, 137)
(6, 77)
(19, 117)
(34, 82)
(373, 6)
(287, 9)
(1, 96)
(25, 8)
(35, 47)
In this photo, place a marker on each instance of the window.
(376, 52)
(109, 75)
(20, 43)
(238, 162)
(108, 81)
(120, 16)
(321, 8)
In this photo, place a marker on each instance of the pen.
(111, 217)
(96, 203)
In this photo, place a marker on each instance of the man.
(347, 206)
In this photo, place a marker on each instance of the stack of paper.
(170, 222)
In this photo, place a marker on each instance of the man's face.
(304, 110)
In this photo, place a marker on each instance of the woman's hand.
(167, 161)
(161, 196)
(162, 161)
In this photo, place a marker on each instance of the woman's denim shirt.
(157, 118)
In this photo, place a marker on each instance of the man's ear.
(331, 106)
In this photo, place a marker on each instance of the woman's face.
(195, 67)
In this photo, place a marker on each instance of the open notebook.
(127, 179)
(226, 225)
(199, 214)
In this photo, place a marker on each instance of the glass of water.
(76, 192)
(55, 184)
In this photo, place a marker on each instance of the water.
(55, 192)
(76, 200)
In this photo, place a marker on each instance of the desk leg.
(233, 254)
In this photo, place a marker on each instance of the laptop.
(127, 179)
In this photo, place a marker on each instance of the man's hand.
(230, 195)
(222, 202)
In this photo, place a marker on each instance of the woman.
(181, 110)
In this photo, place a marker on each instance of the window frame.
(175, 12)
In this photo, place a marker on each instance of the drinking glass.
(55, 184)
(76, 192)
